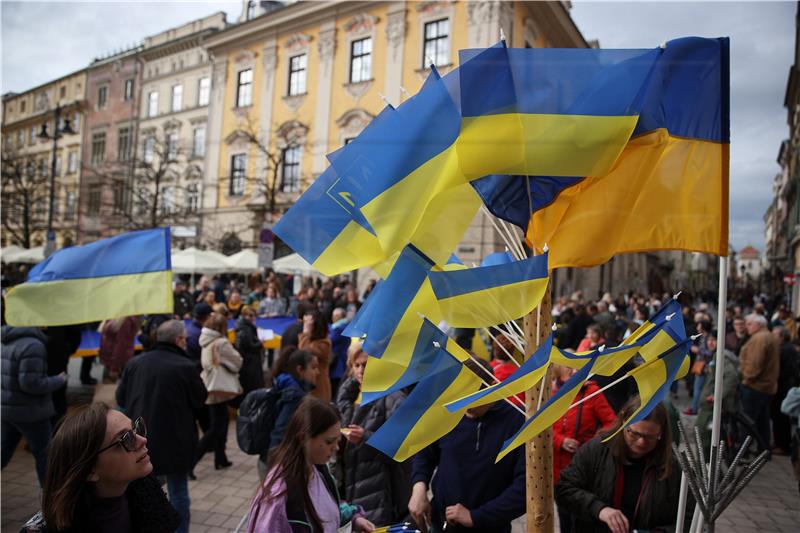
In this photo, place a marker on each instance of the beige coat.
(760, 362)
(218, 353)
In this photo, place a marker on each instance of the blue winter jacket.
(467, 474)
(26, 387)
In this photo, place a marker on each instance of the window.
(127, 90)
(34, 134)
(22, 106)
(290, 174)
(72, 162)
(149, 149)
(436, 48)
(203, 91)
(297, 75)
(172, 146)
(120, 197)
(167, 201)
(21, 138)
(93, 203)
(177, 97)
(70, 204)
(43, 167)
(98, 147)
(143, 201)
(238, 170)
(244, 88)
(58, 165)
(348, 140)
(152, 103)
(124, 144)
(62, 92)
(76, 121)
(102, 96)
(192, 198)
(361, 60)
(199, 141)
(39, 210)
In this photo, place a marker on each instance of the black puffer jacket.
(149, 510)
(586, 486)
(26, 387)
(372, 480)
(251, 375)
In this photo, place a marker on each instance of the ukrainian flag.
(493, 294)
(129, 274)
(422, 418)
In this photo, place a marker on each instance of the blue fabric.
(467, 473)
(130, 253)
(339, 345)
(178, 492)
(459, 282)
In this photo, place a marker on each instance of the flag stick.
(503, 235)
(539, 450)
(502, 347)
(512, 233)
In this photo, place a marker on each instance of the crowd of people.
(317, 470)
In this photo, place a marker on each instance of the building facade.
(293, 84)
(28, 159)
(173, 124)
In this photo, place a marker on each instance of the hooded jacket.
(467, 473)
(218, 353)
(26, 387)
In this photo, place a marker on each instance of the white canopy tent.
(7, 254)
(244, 261)
(293, 264)
(23, 255)
(192, 260)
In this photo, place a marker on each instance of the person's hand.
(63, 377)
(355, 435)
(419, 506)
(570, 445)
(362, 524)
(710, 398)
(616, 521)
(458, 514)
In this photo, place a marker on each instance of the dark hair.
(289, 359)
(71, 456)
(661, 456)
(312, 418)
(304, 308)
(320, 330)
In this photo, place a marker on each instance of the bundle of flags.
(129, 274)
(592, 152)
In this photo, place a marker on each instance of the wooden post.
(539, 451)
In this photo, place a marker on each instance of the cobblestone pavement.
(220, 498)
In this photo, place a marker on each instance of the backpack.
(256, 419)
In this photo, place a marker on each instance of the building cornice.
(291, 18)
(11, 96)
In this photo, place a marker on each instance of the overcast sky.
(42, 41)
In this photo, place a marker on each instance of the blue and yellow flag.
(422, 418)
(129, 274)
(488, 295)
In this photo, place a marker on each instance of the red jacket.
(595, 414)
(503, 369)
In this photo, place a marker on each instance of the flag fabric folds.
(129, 274)
(422, 417)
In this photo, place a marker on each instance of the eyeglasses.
(648, 438)
(128, 439)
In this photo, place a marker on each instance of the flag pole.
(539, 451)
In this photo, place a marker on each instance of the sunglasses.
(128, 439)
(636, 435)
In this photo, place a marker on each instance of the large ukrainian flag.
(129, 274)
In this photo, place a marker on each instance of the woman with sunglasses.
(299, 494)
(98, 478)
(630, 482)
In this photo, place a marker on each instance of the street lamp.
(58, 132)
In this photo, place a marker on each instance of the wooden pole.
(539, 451)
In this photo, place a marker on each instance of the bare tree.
(25, 193)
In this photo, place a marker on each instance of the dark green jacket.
(586, 486)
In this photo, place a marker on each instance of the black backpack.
(256, 419)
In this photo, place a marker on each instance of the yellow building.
(300, 80)
(27, 161)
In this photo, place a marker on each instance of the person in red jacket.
(578, 426)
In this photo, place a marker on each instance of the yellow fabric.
(459, 353)
(542, 144)
(479, 347)
(437, 421)
(662, 193)
(493, 306)
(76, 301)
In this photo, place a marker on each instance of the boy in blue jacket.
(470, 492)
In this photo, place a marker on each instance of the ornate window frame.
(359, 26)
(296, 45)
(431, 12)
(352, 123)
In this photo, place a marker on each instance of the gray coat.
(26, 387)
(373, 480)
